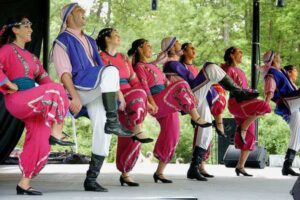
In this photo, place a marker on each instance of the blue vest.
(85, 73)
(284, 88)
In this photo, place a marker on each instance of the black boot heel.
(240, 171)
(219, 132)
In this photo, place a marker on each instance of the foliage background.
(212, 26)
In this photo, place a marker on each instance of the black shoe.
(163, 180)
(53, 141)
(289, 171)
(141, 140)
(241, 171)
(239, 130)
(219, 132)
(205, 174)
(29, 191)
(205, 125)
(132, 184)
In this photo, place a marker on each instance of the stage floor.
(65, 182)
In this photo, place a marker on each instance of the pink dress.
(243, 110)
(135, 111)
(37, 106)
(170, 98)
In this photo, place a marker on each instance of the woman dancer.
(133, 106)
(245, 112)
(42, 108)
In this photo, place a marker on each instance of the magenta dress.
(37, 106)
(135, 111)
(243, 110)
(170, 99)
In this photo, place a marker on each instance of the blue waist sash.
(24, 83)
(157, 89)
(123, 81)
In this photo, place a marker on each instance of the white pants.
(214, 74)
(294, 123)
(92, 99)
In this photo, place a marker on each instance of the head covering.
(269, 57)
(166, 44)
(65, 12)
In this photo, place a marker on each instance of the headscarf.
(65, 12)
(166, 44)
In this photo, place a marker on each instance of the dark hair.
(289, 68)
(6, 33)
(227, 58)
(133, 50)
(183, 48)
(100, 40)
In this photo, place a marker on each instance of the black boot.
(90, 183)
(235, 91)
(193, 172)
(112, 124)
(287, 165)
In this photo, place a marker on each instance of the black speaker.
(295, 192)
(256, 159)
(223, 143)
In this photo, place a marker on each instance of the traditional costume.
(38, 106)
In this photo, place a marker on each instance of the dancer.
(201, 84)
(168, 98)
(216, 99)
(245, 112)
(280, 89)
(133, 107)
(42, 108)
(81, 70)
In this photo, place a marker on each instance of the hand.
(12, 88)
(75, 106)
(122, 105)
(153, 109)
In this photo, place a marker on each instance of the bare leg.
(138, 131)
(56, 130)
(24, 183)
(243, 158)
(196, 117)
(160, 169)
(245, 125)
(219, 122)
(127, 177)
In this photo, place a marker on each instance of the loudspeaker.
(295, 192)
(256, 159)
(223, 143)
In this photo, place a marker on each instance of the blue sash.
(157, 89)
(24, 83)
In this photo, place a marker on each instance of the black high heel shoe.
(29, 191)
(205, 125)
(239, 130)
(163, 180)
(53, 140)
(239, 171)
(141, 140)
(219, 132)
(132, 184)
